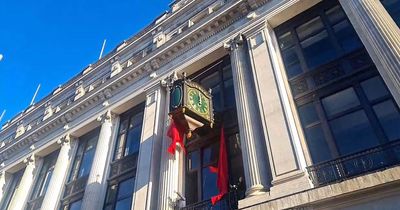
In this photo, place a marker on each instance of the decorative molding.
(152, 61)
(30, 160)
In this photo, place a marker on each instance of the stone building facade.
(308, 92)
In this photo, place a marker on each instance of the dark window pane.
(76, 205)
(229, 94)
(317, 144)
(335, 14)
(308, 114)
(346, 36)
(286, 40)
(209, 183)
(216, 98)
(86, 163)
(292, 62)
(191, 188)
(393, 8)
(227, 72)
(133, 140)
(353, 133)
(111, 194)
(136, 120)
(210, 154)
(211, 80)
(194, 160)
(318, 50)
(125, 188)
(46, 182)
(124, 204)
(374, 88)
(309, 28)
(389, 118)
(340, 101)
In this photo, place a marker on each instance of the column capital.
(234, 43)
(108, 116)
(30, 160)
(65, 140)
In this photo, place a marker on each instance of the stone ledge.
(305, 199)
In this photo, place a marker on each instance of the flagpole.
(2, 115)
(102, 48)
(34, 96)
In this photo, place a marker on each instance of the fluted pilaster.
(93, 198)
(381, 37)
(54, 191)
(146, 185)
(2, 184)
(21, 195)
(251, 137)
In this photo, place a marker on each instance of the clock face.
(176, 96)
(198, 101)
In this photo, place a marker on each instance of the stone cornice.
(172, 49)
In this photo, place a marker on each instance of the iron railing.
(74, 187)
(228, 202)
(123, 165)
(366, 161)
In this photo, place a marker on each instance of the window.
(129, 133)
(84, 156)
(393, 8)
(80, 170)
(123, 168)
(12, 189)
(204, 150)
(119, 195)
(43, 181)
(343, 104)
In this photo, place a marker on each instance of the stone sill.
(304, 199)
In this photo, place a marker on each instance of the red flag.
(222, 171)
(176, 136)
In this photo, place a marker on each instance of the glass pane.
(393, 8)
(211, 81)
(286, 40)
(216, 98)
(317, 144)
(340, 101)
(227, 72)
(374, 88)
(123, 126)
(76, 205)
(346, 36)
(136, 120)
(292, 62)
(209, 183)
(86, 163)
(318, 50)
(309, 28)
(133, 140)
(46, 182)
(191, 189)
(111, 194)
(194, 160)
(210, 154)
(335, 14)
(308, 114)
(124, 204)
(125, 188)
(229, 94)
(389, 117)
(353, 133)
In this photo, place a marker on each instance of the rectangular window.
(119, 195)
(130, 131)
(12, 188)
(43, 181)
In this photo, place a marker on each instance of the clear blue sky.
(50, 41)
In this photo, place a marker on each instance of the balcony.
(228, 202)
(123, 165)
(366, 161)
(35, 203)
(75, 187)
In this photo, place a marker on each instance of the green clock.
(190, 99)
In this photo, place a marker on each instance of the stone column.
(285, 153)
(148, 170)
(2, 184)
(93, 198)
(251, 136)
(21, 195)
(381, 37)
(60, 172)
(171, 171)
